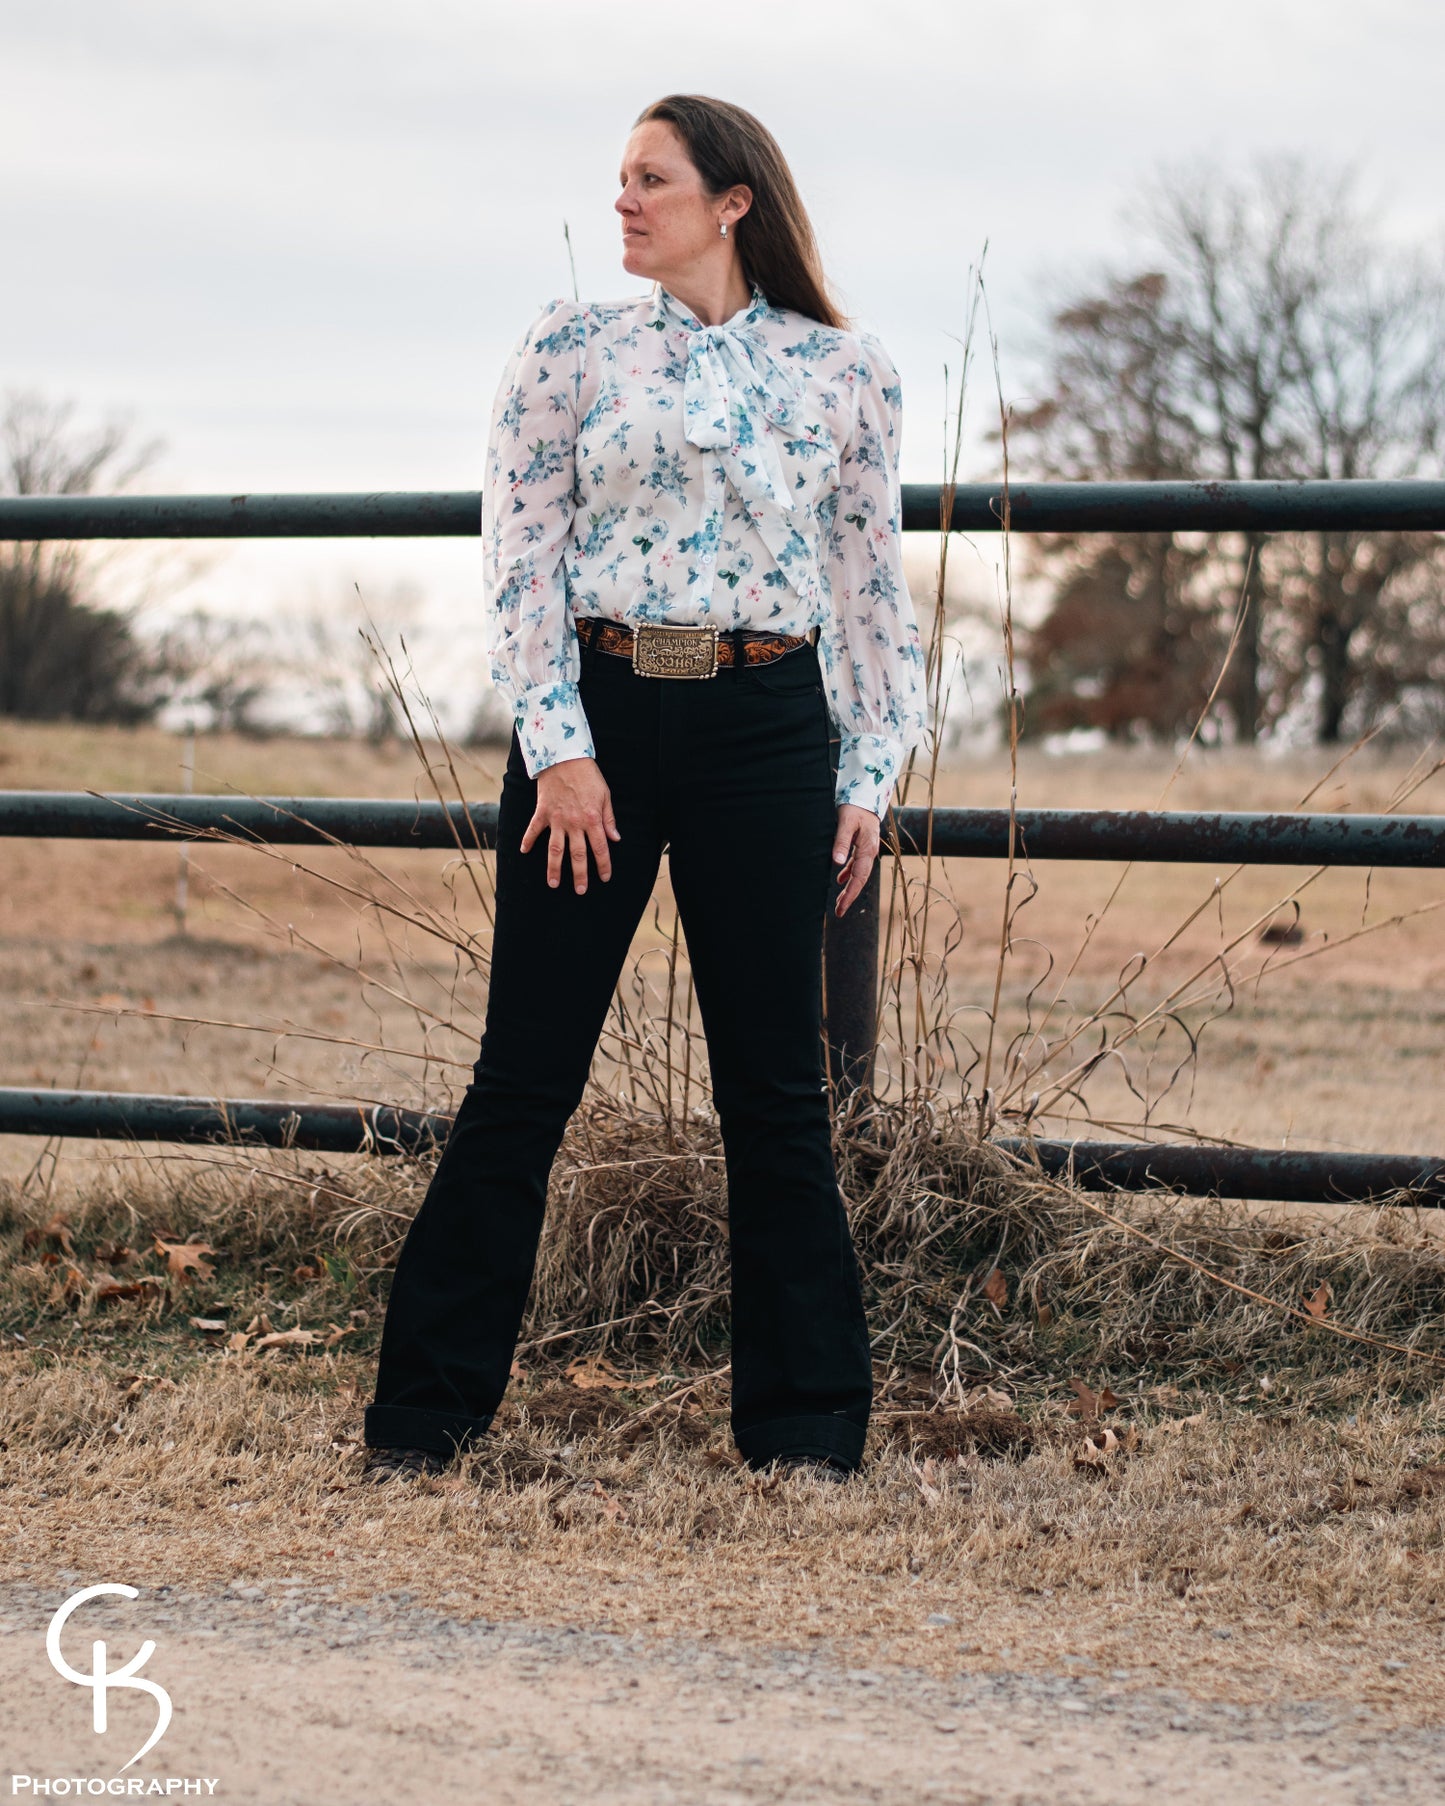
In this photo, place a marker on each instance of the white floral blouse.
(645, 467)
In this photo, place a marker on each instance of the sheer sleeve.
(527, 511)
(872, 655)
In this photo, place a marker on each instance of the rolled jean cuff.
(415, 1427)
(829, 1438)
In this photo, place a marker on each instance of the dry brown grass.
(1109, 1425)
(1315, 1545)
(1218, 1466)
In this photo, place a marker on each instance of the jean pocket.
(794, 674)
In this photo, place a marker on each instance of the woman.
(699, 483)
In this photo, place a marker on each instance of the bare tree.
(1129, 640)
(62, 654)
(341, 653)
(223, 668)
(1274, 335)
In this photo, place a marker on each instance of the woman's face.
(669, 221)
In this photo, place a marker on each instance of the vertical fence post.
(183, 866)
(850, 990)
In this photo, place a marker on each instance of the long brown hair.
(775, 236)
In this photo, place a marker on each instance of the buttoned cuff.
(867, 771)
(551, 726)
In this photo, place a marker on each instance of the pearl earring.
(722, 227)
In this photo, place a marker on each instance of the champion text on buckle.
(659, 651)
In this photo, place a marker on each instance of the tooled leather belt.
(667, 651)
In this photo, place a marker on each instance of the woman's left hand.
(855, 845)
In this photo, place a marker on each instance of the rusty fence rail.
(1303, 1176)
(851, 945)
(1153, 836)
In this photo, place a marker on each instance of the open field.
(1216, 1572)
(1331, 1048)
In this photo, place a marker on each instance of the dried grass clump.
(976, 1267)
(978, 1271)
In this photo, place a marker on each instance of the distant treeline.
(1264, 328)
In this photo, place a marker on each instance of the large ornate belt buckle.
(659, 651)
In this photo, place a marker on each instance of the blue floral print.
(760, 490)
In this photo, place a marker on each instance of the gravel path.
(285, 1697)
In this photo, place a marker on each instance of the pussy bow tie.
(735, 392)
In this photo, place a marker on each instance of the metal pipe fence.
(1156, 836)
(851, 945)
(1408, 505)
(1305, 1176)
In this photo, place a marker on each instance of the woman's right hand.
(574, 803)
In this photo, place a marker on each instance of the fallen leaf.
(995, 1289)
(116, 1254)
(72, 1283)
(1102, 1445)
(1317, 1304)
(209, 1324)
(309, 1269)
(988, 1397)
(183, 1258)
(238, 1341)
(1088, 1404)
(927, 1476)
(136, 1383)
(127, 1288)
(338, 1330)
(288, 1338)
(592, 1373)
(1175, 1426)
(56, 1230)
(260, 1324)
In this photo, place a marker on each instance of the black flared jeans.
(732, 776)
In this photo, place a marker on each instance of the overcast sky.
(294, 238)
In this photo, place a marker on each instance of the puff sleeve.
(871, 651)
(527, 512)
